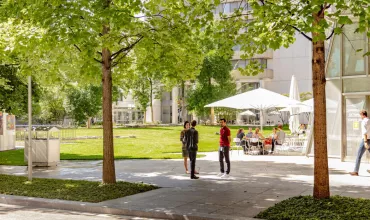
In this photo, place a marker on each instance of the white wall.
(295, 60)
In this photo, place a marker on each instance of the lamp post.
(29, 129)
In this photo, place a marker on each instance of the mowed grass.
(75, 190)
(150, 143)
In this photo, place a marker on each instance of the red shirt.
(224, 133)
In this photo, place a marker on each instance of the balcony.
(269, 54)
(266, 74)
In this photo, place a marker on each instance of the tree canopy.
(213, 83)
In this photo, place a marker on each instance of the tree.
(87, 35)
(13, 93)
(52, 106)
(274, 25)
(84, 103)
(213, 83)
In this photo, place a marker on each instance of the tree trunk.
(88, 123)
(109, 173)
(144, 119)
(321, 172)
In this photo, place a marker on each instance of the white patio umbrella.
(260, 99)
(294, 111)
(248, 113)
(307, 106)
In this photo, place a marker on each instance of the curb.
(96, 208)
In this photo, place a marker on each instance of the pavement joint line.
(96, 208)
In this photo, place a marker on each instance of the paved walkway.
(14, 212)
(256, 183)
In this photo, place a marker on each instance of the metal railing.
(66, 133)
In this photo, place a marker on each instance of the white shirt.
(365, 127)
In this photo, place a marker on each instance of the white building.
(279, 66)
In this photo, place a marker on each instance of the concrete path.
(256, 183)
(16, 212)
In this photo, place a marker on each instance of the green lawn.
(150, 143)
(75, 190)
(306, 207)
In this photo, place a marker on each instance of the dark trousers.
(223, 152)
(273, 144)
(244, 145)
(193, 158)
(360, 152)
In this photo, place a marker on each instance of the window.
(354, 62)
(236, 47)
(234, 6)
(334, 59)
(243, 63)
(248, 86)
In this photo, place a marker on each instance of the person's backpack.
(190, 140)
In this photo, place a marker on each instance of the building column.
(238, 85)
(262, 83)
(175, 113)
(130, 117)
(212, 116)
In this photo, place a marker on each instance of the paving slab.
(255, 183)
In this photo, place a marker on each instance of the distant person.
(250, 133)
(365, 141)
(224, 149)
(279, 138)
(241, 136)
(191, 139)
(302, 129)
(185, 153)
(257, 134)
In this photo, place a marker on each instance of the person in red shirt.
(223, 152)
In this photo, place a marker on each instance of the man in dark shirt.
(223, 152)
(191, 137)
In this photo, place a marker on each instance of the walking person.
(365, 142)
(185, 153)
(224, 150)
(191, 138)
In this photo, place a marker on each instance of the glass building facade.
(347, 91)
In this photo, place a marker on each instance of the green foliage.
(212, 84)
(52, 106)
(14, 92)
(84, 102)
(275, 23)
(74, 190)
(305, 96)
(306, 207)
(65, 36)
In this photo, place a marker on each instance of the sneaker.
(353, 173)
(194, 177)
(220, 174)
(225, 176)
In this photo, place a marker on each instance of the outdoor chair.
(237, 144)
(255, 146)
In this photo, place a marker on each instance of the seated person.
(279, 138)
(258, 135)
(241, 136)
(274, 130)
(302, 129)
(250, 133)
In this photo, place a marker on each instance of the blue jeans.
(361, 151)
